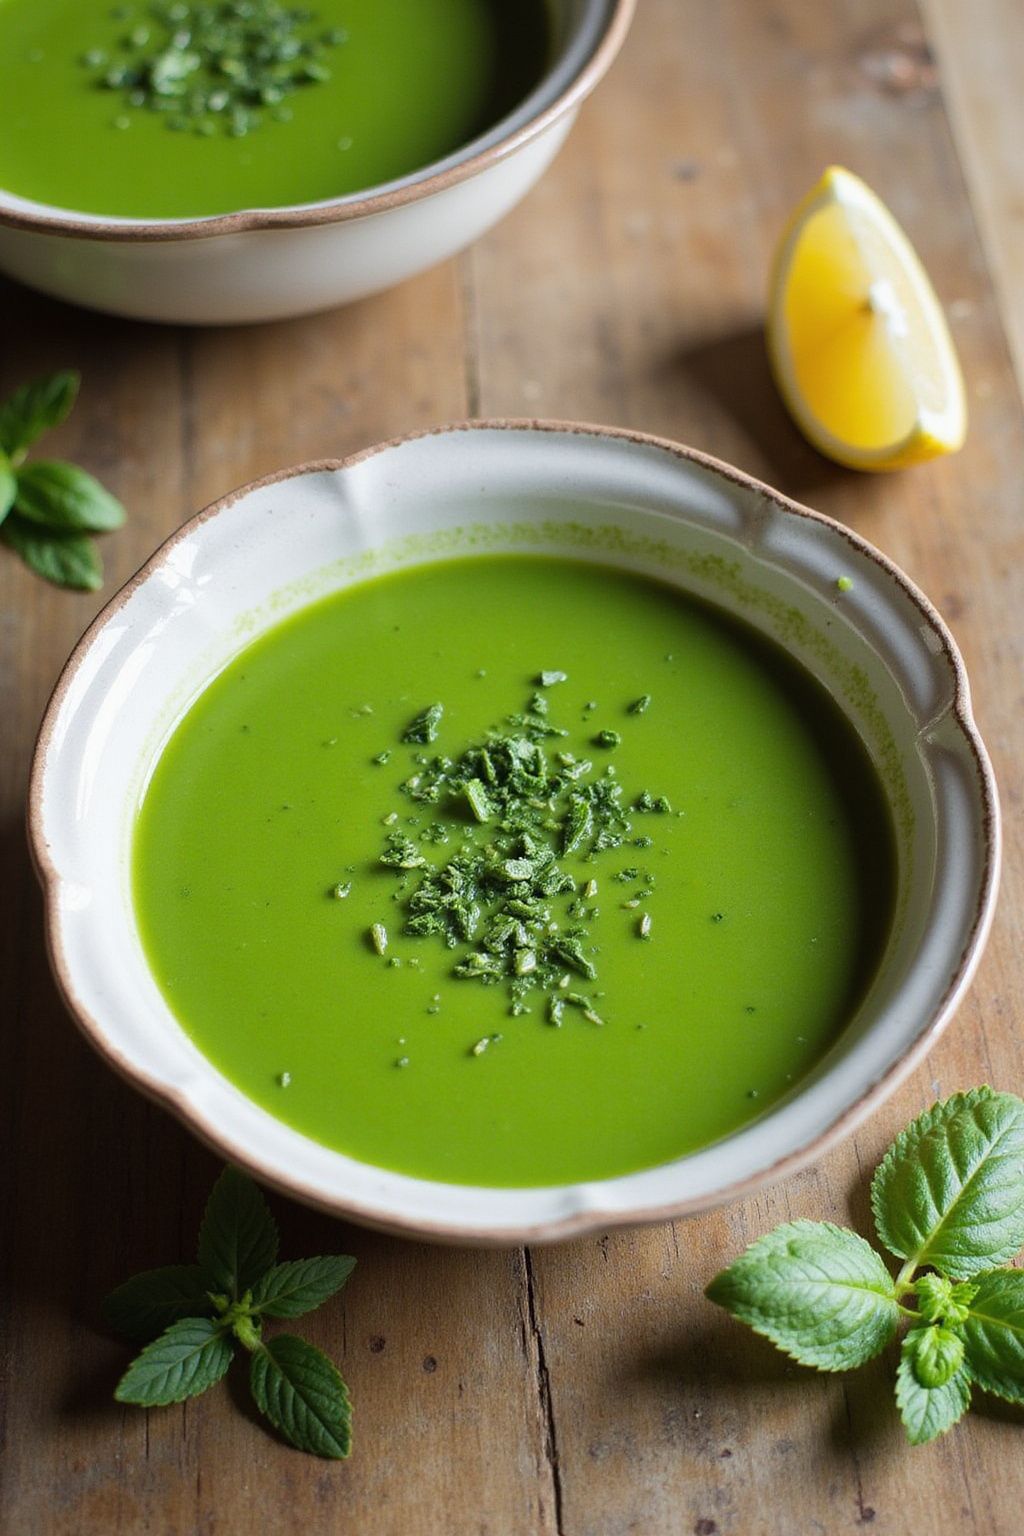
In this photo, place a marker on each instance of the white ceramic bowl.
(269, 264)
(615, 497)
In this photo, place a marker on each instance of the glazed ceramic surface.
(269, 264)
(634, 502)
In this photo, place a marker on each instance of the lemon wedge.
(858, 343)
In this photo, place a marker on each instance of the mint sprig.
(948, 1199)
(49, 508)
(205, 1310)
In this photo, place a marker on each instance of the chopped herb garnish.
(400, 852)
(516, 805)
(644, 927)
(424, 728)
(641, 705)
(216, 65)
(382, 757)
(479, 804)
(607, 739)
(647, 803)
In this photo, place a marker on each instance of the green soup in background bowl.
(222, 161)
(404, 83)
(788, 910)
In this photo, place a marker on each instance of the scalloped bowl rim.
(574, 1209)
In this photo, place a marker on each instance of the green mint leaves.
(150, 1302)
(238, 1237)
(820, 1293)
(928, 1407)
(289, 1290)
(302, 1395)
(188, 1357)
(948, 1199)
(34, 409)
(49, 509)
(202, 1311)
(949, 1194)
(993, 1332)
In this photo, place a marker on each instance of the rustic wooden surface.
(979, 48)
(585, 1390)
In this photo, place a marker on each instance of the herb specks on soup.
(603, 892)
(187, 108)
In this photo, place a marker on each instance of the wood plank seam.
(544, 1393)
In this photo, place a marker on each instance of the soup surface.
(727, 936)
(406, 83)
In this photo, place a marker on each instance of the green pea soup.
(729, 932)
(394, 86)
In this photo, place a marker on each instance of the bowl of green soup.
(227, 161)
(515, 830)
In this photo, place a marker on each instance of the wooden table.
(587, 1389)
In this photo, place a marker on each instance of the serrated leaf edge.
(281, 1428)
(906, 1369)
(230, 1171)
(802, 1224)
(179, 1397)
(940, 1112)
(149, 1274)
(264, 1305)
(984, 1382)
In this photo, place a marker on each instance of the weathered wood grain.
(979, 49)
(586, 1390)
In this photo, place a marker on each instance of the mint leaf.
(819, 1292)
(238, 1237)
(939, 1355)
(8, 486)
(302, 1394)
(149, 1302)
(941, 1301)
(289, 1290)
(34, 409)
(66, 559)
(950, 1191)
(60, 495)
(994, 1334)
(189, 1357)
(927, 1411)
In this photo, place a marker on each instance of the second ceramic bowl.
(272, 263)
